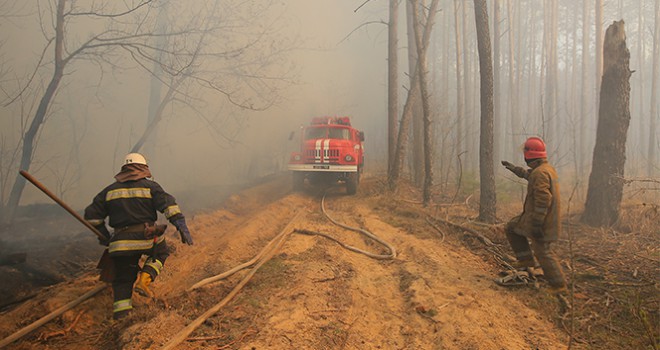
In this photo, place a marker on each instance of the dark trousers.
(126, 271)
(542, 250)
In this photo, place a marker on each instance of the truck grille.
(329, 155)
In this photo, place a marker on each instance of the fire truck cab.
(331, 151)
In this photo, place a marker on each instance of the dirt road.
(313, 294)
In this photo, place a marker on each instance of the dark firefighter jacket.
(130, 204)
(542, 203)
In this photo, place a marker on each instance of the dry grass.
(614, 272)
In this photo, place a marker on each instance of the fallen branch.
(40, 322)
(624, 284)
(248, 332)
(479, 235)
(630, 180)
(214, 337)
(493, 248)
(63, 332)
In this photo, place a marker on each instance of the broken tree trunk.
(605, 185)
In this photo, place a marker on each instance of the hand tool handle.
(50, 194)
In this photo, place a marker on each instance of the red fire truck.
(331, 151)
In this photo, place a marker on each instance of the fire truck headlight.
(297, 157)
(348, 158)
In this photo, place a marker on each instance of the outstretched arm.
(519, 171)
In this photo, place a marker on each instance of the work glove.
(519, 171)
(181, 226)
(508, 165)
(104, 241)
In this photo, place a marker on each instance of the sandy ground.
(313, 294)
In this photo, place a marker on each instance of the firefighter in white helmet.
(132, 203)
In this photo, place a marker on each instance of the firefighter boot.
(142, 285)
(524, 263)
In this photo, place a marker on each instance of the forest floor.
(437, 293)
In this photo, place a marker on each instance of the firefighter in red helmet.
(532, 233)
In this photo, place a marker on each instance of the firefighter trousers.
(542, 250)
(126, 271)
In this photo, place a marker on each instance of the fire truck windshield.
(327, 133)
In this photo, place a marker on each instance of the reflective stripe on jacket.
(131, 203)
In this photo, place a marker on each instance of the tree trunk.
(423, 84)
(487, 202)
(459, 83)
(392, 82)
(467, 90)
(417, 113)
(598, 24)
(584, 104)
(514, 117)
(531, 97)
(413, 95)
(550, 105)
(641, 50)
(653, 117)
(156, 85)
(30, 136)
(497, 66)
(606, 179)
(157, 115)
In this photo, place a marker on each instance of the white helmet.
(134, 158)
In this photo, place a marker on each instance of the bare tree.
(488, 200)
(60, 61)
(422, 71)
(122, 28)
(417, 159)
(598, 25)
(641, 50)
(460, 115)
(498, 137)
(514, 117)
(584, 97)
(413, 96)
(469, 148)
(551, 115)
(249, 55)
(605, 185)
(96, 46)
(392, 81)
(653, 115)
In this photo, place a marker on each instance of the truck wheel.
(298, 181)
(352, 183)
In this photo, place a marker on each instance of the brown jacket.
(542, 204)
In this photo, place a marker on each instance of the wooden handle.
(50, 194)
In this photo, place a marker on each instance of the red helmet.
(535, 148)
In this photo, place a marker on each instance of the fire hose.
(268, 252)
(391, 255)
